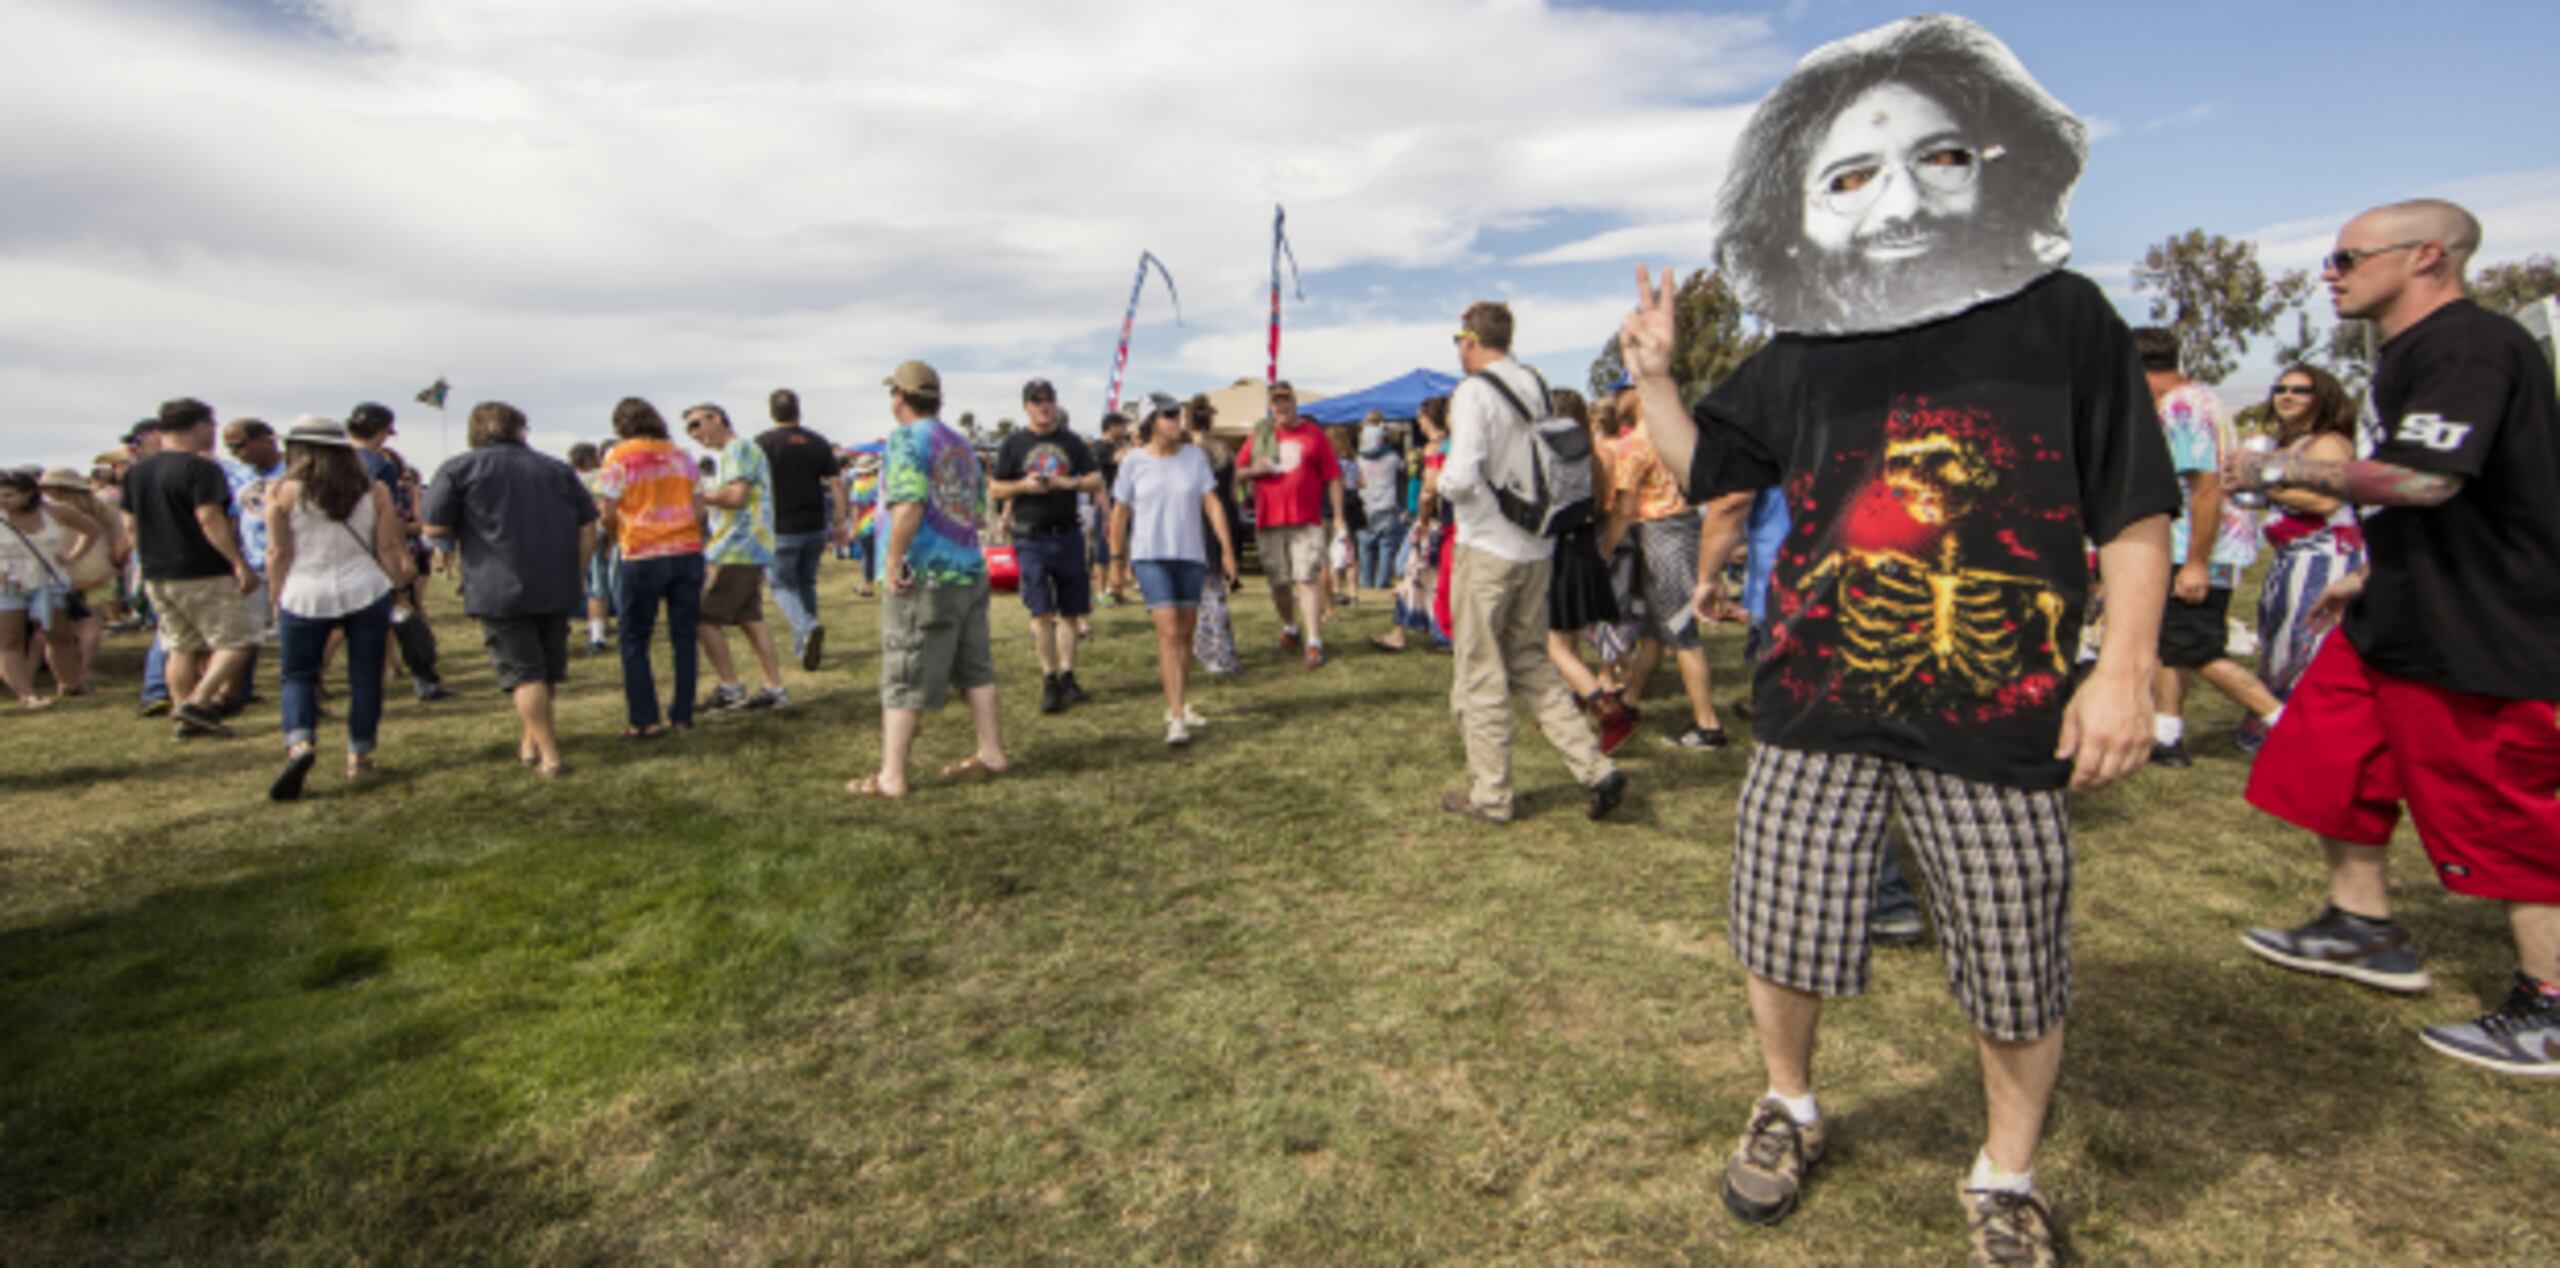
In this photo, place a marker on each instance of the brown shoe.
(2009, 1230)
(1766, 1171)
(1464, 805)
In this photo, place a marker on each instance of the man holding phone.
(1041, 469)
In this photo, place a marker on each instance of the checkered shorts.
(1996, 862)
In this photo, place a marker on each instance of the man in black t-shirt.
(1106, 455)
(1950, 422)
(371, 425)
(2444, 689)
(179, 501)
(1042, 468)
(807, 489)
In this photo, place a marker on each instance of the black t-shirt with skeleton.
(2466, 595)
(1943, 481)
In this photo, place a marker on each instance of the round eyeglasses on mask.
(1937, 169)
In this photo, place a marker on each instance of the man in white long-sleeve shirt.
(1498, 591)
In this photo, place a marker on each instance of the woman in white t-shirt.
(336, 551)
(1164, 497)
(37, 546)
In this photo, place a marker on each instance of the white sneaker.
(1175, 734)
(1190, 716)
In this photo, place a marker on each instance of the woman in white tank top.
(334, 555)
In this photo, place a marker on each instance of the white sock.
(2168, 728)
(595, 629)
(1288, 631)
(1800, 1108)
(1988, 1177)
(2271, 717)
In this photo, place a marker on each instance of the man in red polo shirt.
(1291, 485)
(2439, 689)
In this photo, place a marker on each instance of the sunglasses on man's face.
(2344, 259)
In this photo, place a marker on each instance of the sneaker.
(195, 719)
(1605, 795)
(1699, 738)
(2522, 1037)
(1900, 927)
(1463, 805)
(771, 698)
(1071, 689)
(1616, 728)
(2009, 1229)
(2250, 735)
(2343, 945)
(2173, 756)
(597, 647)
(288, 782)
(432, 690)
(722, 699)
(1175, 734)
(1190, 716)
(1315, 655)
(1766, 1171)
(1053, 698)
(811, 646)
(1288, 639)
(153, 708)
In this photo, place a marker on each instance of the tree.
(2507, 287)
(1715, 337)
(2216, 297)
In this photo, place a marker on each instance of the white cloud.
(564, 202)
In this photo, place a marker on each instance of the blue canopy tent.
(1397, 398)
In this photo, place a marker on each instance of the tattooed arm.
(2362, 482)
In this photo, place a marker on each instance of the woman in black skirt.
(1580, 597)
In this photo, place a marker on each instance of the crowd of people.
(1917, 518)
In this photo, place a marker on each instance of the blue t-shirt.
(929, 463)
(249, 489)
(1163, 496)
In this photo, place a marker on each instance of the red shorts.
(2481, 774)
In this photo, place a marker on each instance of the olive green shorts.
(933, 640)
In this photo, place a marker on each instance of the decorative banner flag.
(434, 393)
(1280, 249)
(1120, 361)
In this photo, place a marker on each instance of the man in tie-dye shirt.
(2196, 625)
(933, 613)
(739, 551)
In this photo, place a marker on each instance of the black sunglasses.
(2282, 389)
(2345, 259)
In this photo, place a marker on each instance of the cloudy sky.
(286, 206)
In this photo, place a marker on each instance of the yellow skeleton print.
(1928, 634)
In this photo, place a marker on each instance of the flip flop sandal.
(1380, 642)
(869, 786)
(640, 733)
(971, 768)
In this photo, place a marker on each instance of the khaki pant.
(1501, 613)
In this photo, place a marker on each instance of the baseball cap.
(1280, 387)
(1038, 388)
(1623, 382)
(1158, 403)
(915, 377)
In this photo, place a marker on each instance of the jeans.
(1379, 544)
(1893, 892)
(677, 579)
(155, 671)
(303, 642)
(793, 577)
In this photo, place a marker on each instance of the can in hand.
(2261, 445)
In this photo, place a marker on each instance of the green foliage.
(2507, 287)
(2215, 296)
(1716, 336)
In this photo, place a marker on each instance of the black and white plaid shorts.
(1996, 862)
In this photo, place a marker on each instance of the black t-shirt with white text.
(161, 493)
(2466, 595)
(1943, 482)
(802, 462)
(1059, 454)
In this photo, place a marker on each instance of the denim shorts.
(1170, 583)
(1055, 580)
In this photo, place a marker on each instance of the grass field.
(1258, 1001)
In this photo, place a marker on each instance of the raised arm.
(1645, 344)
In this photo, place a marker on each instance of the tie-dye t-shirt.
(650, 483)
(929, 463)
(745, 535)
(2200, 433)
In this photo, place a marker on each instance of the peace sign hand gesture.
(1652, 331)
